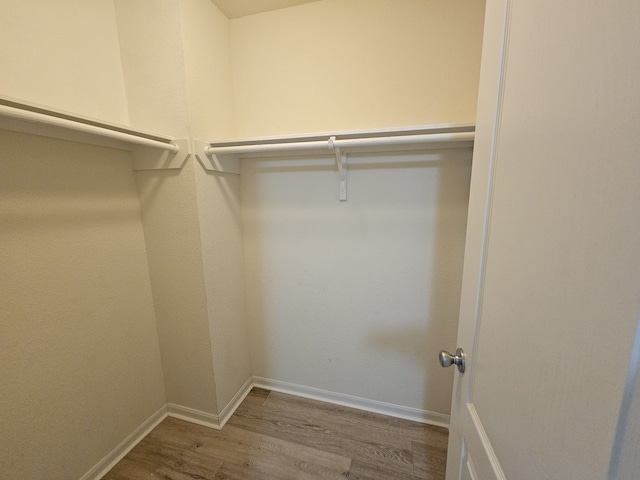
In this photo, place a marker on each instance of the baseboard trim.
(208, 419)
(118, 453)
(193, 416)
(235, 402)
(390, 409)
(168, 410)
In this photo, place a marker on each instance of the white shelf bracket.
(216, 163)
(341, 162)
(149, 158)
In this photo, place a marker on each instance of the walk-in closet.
(240, 239)
(196, 201)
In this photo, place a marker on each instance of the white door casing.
(550, 297)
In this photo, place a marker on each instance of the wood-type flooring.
(273, 436)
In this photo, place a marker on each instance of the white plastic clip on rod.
(341, 162)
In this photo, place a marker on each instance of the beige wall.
(205, 33)
(170, 218)
(79, 356)
(154, 63)
(356, 297)
(63, 54)
(191, 219)
(345, 64)
(223, 264)
(207, 66)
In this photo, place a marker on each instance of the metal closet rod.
(79, 126)
(332, 143)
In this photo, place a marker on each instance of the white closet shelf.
(149, 150)
(222, 156)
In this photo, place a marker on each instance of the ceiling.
(241, 8)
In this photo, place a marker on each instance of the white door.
(551, 285)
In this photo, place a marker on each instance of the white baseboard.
(169, 410)
(208, 419)
(193, 416)
(235, 402)
(390, 409)
(108, 462)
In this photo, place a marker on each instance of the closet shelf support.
(341, 163)
(215, 163)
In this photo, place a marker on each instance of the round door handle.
(446, 359)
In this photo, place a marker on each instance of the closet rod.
(332, 143)
(405, 140)
(79, 126)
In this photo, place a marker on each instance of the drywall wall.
(205, 34)
(344, 64)
(207, 67)
(170, 218)
(193, 233)
(79, 355)
(154, 73)
(153, 65)
(63, 54)
(356, 297)
(223, 264)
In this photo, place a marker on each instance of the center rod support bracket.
(341, 162)
(215, 163)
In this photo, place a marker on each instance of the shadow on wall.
(77, 321)
(152, 182)
(357, 297)
(420, 339)
(55, 185)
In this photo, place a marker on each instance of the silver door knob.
(446, 359)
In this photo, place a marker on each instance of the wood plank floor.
(277, 436)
